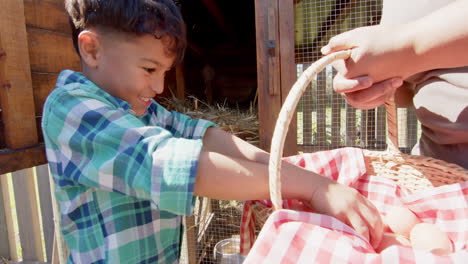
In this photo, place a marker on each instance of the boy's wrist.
(298, 183)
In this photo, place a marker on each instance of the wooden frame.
(35, 45)
(16, 93)
(275, 67)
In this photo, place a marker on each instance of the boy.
(126, 169)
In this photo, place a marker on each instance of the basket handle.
(285, 117)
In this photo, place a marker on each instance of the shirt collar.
(69, 77)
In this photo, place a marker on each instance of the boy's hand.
(350, 207)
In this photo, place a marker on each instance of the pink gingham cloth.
(295, 236)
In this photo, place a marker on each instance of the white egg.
(401, 220)
(429, 237)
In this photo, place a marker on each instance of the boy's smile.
(131, 67)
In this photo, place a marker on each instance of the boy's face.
(133, 70)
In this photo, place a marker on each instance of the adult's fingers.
(345, 85)
(373, 96)
(337, 43)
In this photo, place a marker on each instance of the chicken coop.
(242, 58)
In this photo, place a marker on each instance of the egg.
(429, 237)
(401, 220)
(390, 239)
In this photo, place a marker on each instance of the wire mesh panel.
(324, 119)
(212, 233)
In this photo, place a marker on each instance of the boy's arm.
(225, 177)
(232, 146)
(180, 125)
(231, 168)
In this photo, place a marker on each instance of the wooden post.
(16, 94)
(381, 127)
(351, 133)
(321, 109)
(288, 67)
(47, 212)
(307, 108)
(28, 215)
(4, 246)
(336, 117)
(269, 98)
(275, 67)
(11, 241)
(191, 238)
(412, 127)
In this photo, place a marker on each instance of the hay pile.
(241, 123)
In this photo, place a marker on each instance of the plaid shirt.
(123, 182)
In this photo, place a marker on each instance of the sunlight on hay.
(241, 123)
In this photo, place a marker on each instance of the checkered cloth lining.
(295, 236)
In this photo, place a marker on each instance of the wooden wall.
(35, 45)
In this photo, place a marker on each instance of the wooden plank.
(4, 247)
(43, 84)
(273, 44)
(47, 213)
(191, 236)
(28, 215)
(288, 67)
(13, 160)
(55, 255)
(321, 108)
(402, 121)
(370, 126)
(16, 96)
(351, 133)
(381, 127)
(412, 128)
(60, 250)
(307, 108)
(363, 130)
(47, 14)
(7, 199)
(51, 52)
(335, 116)
(269, 104)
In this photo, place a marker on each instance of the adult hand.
(376, 67)
(350, 207)
(362, 93)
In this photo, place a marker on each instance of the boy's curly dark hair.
(156, 17)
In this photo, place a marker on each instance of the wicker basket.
(412, 172)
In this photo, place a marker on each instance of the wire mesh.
(325, 120)
(212, 233)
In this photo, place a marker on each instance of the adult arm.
(384, 55)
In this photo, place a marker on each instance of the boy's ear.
(89, 46)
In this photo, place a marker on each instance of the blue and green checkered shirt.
(123, 182)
